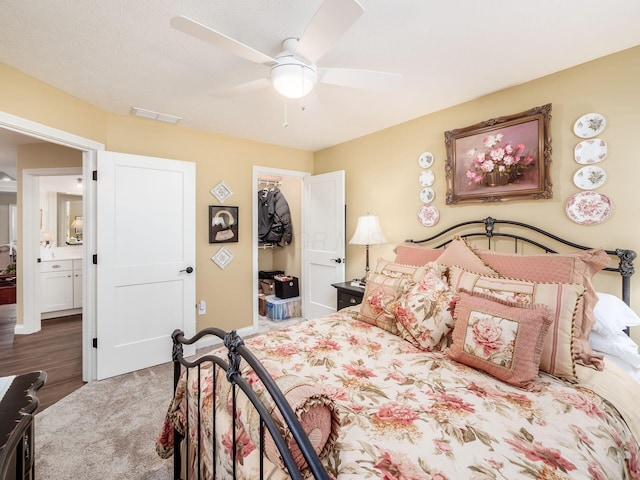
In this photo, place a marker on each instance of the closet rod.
(262, 181)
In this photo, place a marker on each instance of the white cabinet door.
(56, 291)
(77, 289)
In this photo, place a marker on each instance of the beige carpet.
(106, 430)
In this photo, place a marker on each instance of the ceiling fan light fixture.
(293, 79)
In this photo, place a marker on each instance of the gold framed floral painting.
(505, 158)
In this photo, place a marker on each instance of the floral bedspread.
(408, 414)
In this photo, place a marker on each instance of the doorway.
(29, 234)
(268, 256)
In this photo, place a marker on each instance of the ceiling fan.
(293, 71)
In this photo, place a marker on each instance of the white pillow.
(613, 315)
(620, 345)
(634, 372)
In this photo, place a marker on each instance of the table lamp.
(367, 233)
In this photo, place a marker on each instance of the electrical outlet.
(202, 307)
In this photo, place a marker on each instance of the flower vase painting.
(500, 159)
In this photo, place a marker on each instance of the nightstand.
(348, 295)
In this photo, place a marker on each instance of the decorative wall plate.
(590, 151)
(428, 215)
(589, 177)
(427, 177)
(427, 195)
(589, 125)
(222, 258)
(588, 208)
(426, 159)
(221, 192)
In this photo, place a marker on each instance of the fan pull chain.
(285, 124)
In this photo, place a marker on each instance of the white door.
(323, 225)
(146, 256)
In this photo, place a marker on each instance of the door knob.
(188, 270)
(337, 260)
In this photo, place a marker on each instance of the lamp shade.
(368, 231)
(293, 78)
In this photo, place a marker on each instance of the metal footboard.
(236, 350)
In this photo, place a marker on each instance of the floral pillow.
(577, 267)
(397, 270)
(423, 314)
(381, 291)
(560, 298)
(502, 338)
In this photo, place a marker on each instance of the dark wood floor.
(56, 349)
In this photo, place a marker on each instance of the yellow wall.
(382, 169)
(217, 157)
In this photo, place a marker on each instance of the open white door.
(146, 258)
(323, 225)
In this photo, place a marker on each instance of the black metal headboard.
(625, 257)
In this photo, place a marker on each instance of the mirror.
(69, 219)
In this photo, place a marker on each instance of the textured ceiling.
(117, 54)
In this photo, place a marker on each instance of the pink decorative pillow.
(501, 338)
(460, 254)
(423, 315)
(412, 254)
(578, 267)
(380, 291)
(560, 298)
(317, 415)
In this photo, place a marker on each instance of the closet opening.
(278, 247)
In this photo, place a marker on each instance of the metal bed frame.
(237, 351)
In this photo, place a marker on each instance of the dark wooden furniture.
(7, 289)
(348, 295)
(17, 409)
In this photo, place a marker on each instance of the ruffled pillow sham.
(560, 298)
(577, 267)
(504, 339)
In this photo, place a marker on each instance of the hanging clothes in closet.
(274, 217)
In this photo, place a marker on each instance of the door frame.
(31, 235)
(278, 172)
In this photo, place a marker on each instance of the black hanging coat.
(274, 217)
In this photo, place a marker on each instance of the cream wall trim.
(30, 236)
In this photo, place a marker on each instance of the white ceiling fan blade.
(363, 79)
(243, 88)
(330, 22)
(206, 34)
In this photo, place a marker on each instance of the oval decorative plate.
(427, 195)
(426, 159)
(589, 177)
(590, 151)
(428, 215)
(589, 125)
(588, 208)
(427, 177)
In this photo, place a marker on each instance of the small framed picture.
(223, 224)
